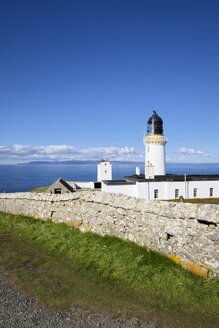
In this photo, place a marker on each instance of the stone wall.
(187, 233)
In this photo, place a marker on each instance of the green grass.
(41, 189)
(199, 200)
(62, 267)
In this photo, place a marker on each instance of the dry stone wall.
(187, 233)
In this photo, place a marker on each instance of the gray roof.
(132, 179)
(64, 183)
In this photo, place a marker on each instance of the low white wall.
(83, 184)
(166, 189)
(124, 189)
(203, 188)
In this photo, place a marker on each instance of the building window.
(57, 190)
(211, 192)
(155, 193)
(195, 192)
(148, 149)
(176, 193)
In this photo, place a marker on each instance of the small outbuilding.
(60, 187)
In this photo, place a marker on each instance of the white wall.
(203, 188)
(146, 190)
(166, 189)
(127, 189)
(171, 186)
(83, 184)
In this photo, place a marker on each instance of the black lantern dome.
(155, 124)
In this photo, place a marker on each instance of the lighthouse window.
(155, 193)
(195, 192)
(211, 192)
(176, 193)
(148, 149)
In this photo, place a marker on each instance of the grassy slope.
(61, 267)
(40, 189)
(200, 200)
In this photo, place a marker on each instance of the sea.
(24, 177)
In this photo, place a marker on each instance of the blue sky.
(79, 79)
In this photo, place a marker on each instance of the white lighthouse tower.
(154, 143)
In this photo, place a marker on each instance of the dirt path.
(19, 311)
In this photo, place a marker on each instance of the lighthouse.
(154, 142)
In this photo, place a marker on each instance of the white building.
(155, 183)
(104, 170)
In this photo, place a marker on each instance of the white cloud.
(67, 152)
(24, 153)
(191, 151)
(190, 155)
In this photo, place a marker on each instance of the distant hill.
(73, 162)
